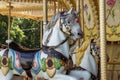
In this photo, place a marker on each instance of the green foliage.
(57, 63)
(43, 64)
(17, 34)
(31, 31)
(10, 62)
(25, 32)
(3, 28)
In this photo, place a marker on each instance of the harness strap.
(53, 53)
(54, 47)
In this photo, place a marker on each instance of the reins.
(54, 47)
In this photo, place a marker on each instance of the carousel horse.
(50, 61)
(85, 62)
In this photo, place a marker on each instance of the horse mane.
(54, 19)
(19, 48)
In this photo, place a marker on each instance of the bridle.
(63, 23)
(54, 47)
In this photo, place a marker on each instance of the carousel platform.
(16, 77)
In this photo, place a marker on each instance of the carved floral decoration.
(113, 20)
(90, 19)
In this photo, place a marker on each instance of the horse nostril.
(79, 34)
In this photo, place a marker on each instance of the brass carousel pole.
(78, 9)
(78, 5)
(44, 23)
(54, 7)
(44, 15)
(58, 5)
(41, 33)
(9, 15)
(102, 39)
(82, 17)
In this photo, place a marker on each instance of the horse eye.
(68, 22)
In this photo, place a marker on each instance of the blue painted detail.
(37, 60)
(26, 56)
(19, 70)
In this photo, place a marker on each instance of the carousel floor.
(17, 78)
(22, 78)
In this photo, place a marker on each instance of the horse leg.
(81, 74)
(63, 77)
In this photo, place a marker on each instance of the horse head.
(70, 24)
(95, 47)
(62, 26)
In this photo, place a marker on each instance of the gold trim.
(47, 63)
(95, 15)
(4, 57)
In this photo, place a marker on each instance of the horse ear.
(70, 11)
(62, 20)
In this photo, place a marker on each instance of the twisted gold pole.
(9, 14)
(43, 28)
(102, 39)
(41, 33)
(44, 15)
(78, 9)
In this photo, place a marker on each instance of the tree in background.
(16, 33)
(31, 30)
(3, 29)
(25, 32)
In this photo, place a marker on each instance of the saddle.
(26, 56)
(20, 49)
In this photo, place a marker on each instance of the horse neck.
(56, 37)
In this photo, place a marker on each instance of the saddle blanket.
(16, 61)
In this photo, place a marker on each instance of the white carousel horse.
(48, 62)
(87, 69)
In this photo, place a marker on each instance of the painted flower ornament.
(111, 3)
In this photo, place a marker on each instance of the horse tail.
(28, 72)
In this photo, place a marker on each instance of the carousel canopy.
(33, 8)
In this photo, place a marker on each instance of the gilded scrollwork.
(90, 20)
(113, 20)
